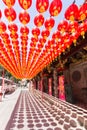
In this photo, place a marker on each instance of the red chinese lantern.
(72, 12)
(73, 26)
(14, 36)
(63, 26)
(24, 17)
(2, 27)
(24, 38)
(16, 43)
(42, 5)
(49, 23)
(36, 32)
(0, 14)
(66, 41)
(42, 41)
(34, 40)
(45, 33)
(74, 37)
(39, 20)
(9, 3)
(13, 28)
(25, 4)
(82, 29)
(10, 14)
(56, 36)
(55, 7)
(24, 30)
(50, 44)
(5, 35)
(82, 15)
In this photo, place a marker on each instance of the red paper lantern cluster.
(42, 5)
(63, 26)
(36, 32)
(27, 53)
(10, 14)
(55, 7)
(49, 23)
(2, 27)
(25, 4)
(45, 33)
(39, 20)
(9, 3)
(24, 17)
(82, 13)
(72, 12)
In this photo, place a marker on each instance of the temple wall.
(76, 76)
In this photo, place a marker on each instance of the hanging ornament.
(24, 38)
(9, 3)
(14, 36)
(10, 14)
(49, 23)
(55, 7)
(56, 36)
(45, 33)
(13, 28)
(36, 32)
(24, 30)
(72, 12)
(73, 27)
(39, 20)
(2, 27)
(15, 43)
(25, 4)
(74, 36)
(4, 36)
(24, 17)
(63, 26)
(82, 29)
(82, 13)
(34, 40)
(66, 41)
(42, 41)
(42, 5)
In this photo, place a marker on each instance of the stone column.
(55, 82)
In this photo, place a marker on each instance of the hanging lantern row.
(10, 14)
(24, 64)
(39, 20)
(25, 4)
(9, 3)
(74, 13)
(55, 7)
(7, 58)
(41, 5)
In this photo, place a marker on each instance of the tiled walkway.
(33, 113)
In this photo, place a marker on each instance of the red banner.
(50, 86)
(61, 88)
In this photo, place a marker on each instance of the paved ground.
(24, 110)
(6, 107)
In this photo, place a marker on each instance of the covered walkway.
(32, 110)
